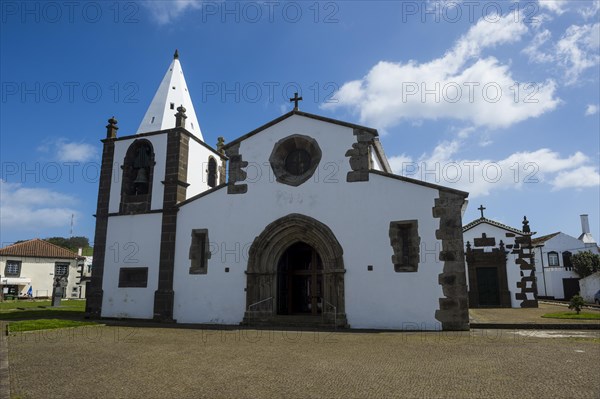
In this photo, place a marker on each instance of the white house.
(589, 286)
(30, 269)
(308, 226)
(554, 272)
(501, 271)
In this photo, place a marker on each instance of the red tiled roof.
(38, 248)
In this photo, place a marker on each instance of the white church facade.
(301, 220)
(501, 267)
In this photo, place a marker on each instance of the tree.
(585, 263)
(576, 303)
(72, 243)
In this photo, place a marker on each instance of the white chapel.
(300, 221)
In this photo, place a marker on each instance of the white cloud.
(480, 177)
(165, 12)
(584, 176)
(32, 209)
(65, 151)
(556, 6)
(578, 50)
(459, 85)
(533, 50)
(591, 110)
(591, 10)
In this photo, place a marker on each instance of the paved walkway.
(125, 362)
(525, 316)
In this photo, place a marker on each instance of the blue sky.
(500, 99)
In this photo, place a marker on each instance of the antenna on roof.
(72, 216)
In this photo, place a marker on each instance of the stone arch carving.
(138, 175)
(264, 255)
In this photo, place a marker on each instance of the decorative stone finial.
(180, 116)
(111, 128)
(468, 246)
(526, 228)
(176, 55)
(220, 145)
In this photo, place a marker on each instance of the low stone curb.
(531, 326)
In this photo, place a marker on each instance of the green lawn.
(41, 309)
(28, 304)
(45, 324)
(573, 315)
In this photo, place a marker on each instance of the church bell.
(142, 176)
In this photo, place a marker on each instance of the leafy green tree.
(576, 303)
(72, 243)
(585, 263)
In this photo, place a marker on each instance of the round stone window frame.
(283, 148)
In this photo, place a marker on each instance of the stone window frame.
(17, 264)
(199, 252)
(61, 264)
(284, 147)
(140, 279)
(212, 176)
(553, 259)
(404, 237)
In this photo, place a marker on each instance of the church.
(298, 222)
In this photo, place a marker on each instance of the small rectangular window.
(61, 270)
(152, 121)
(13, 268)
(172, 105)
(405, 241)
(133, 277)
(199, 252)
(553, 259)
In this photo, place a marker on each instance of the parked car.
(597, 298)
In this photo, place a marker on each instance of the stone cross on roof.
(295, 100)
(481, 209)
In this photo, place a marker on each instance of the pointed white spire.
(171, 93)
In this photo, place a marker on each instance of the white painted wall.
(132, 241)
(41, 273)
(159, 144)
(589, 286)
(357, 213)
(550, 279)
(198, 168)
(513, 271)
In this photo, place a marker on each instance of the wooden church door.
(300, 281)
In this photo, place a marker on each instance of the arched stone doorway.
(295, 267)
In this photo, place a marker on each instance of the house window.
(567, 260)
(553, 259)
(61, 270)
(212, 172)
(13, 268)
(405, 241)
(199, 252)
(133, 277)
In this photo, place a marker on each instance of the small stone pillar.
(180, 117)
(111, 128)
